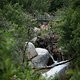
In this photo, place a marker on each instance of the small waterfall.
(42, 58)
(52, 58)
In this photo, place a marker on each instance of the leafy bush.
(68, 27)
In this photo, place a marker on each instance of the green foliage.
(2, 3)
(75, 74)
(30, 5)
(15, 25)
(58, 4)
(67, 25)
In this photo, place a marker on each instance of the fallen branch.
(57, 64)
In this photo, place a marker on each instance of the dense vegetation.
(16, 24)
(68, 27)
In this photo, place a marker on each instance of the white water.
(56, 70)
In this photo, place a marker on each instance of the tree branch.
(60, 63)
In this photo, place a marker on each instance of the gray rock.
(40, 61)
